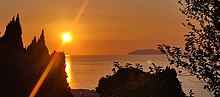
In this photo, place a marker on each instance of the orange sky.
(103, 27)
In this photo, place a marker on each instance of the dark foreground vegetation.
(129, 81)
(21, 68)
(201, 54)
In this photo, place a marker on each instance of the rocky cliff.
(22, 67)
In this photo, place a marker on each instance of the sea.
(84, 71)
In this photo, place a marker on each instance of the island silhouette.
(22, 67)
(145, 52)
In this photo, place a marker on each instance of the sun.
(66, 37)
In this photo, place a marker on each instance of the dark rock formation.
(12, 39)
(22, 67)
(145, 52)
(11, 59)
(55, 85)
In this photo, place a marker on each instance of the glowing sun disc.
(66, 37)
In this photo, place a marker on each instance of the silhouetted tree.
(202, 48)
(129, 81)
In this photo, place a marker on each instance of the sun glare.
(66, 37)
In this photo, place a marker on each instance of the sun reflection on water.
(70, 75)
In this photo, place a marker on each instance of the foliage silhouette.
(129, 81)
(201, 53)
(22, 67)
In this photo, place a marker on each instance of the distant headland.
(145, 52)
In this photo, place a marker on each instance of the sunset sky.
(98, 27)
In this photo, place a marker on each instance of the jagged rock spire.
(41, 40)
(34, 40)
(13, 29)
(42, 35)
(12, 37)
(13, 19)
(17, 18)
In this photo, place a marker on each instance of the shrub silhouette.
(129, 81)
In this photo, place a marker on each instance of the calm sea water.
(84, 71)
